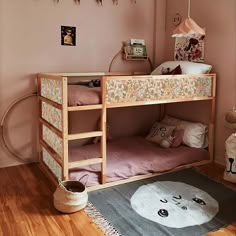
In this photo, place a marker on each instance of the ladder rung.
(84, 162)
(85, 108)
(85, 135)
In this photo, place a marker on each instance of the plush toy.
(166, 142)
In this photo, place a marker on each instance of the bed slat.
(85, 135)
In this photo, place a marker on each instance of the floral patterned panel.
(136, 90)
(52, 140)
(52, 89)
(52, 164)
(52, 115)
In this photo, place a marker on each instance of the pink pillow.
(178, 134)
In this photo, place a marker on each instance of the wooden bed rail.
(121, 91)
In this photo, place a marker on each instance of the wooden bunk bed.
(117, 90)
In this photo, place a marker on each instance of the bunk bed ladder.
(100, 133)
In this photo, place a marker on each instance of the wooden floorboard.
(26, 206)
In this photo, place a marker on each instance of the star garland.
(99, 2)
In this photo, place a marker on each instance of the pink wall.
(30, 43)
(220, 50)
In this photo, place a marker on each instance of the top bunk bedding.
(172, 81)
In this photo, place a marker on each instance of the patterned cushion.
(159, 131)
(194, 132)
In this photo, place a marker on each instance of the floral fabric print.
(52, 140)
(52, 90)
(52, 115)
(137, 90)
(52, 164)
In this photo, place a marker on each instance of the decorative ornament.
(115, 2)
(99, 2)
(188, 27)
(177, 19)
(76, 1)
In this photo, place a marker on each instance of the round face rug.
(174, 204)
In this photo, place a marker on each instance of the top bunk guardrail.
(120, 89)
(158, 89)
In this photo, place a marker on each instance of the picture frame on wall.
(68, 35)
(190, 49)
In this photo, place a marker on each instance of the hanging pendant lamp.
(188, 28)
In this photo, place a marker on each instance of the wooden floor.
(26, 205)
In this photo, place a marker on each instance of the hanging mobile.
(99, 2)
(115, 2)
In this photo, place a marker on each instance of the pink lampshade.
(188, 28)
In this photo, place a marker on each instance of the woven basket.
(70, 196)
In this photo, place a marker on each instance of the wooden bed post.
(211, 134)
(103, 127)
(65, 170)
(39, 116)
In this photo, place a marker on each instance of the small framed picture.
(68, 36)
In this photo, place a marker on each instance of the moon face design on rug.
(174, 204)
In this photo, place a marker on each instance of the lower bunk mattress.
(132, 156)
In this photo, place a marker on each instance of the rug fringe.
(100, 221)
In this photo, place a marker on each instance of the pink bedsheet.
(82, 95)
(132, 156)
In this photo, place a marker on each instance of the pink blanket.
(132, 156)
(83, 95)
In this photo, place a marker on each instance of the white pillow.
(159, 131)
(195, 134)
(187, 67)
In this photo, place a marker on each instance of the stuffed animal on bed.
(166, 142)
